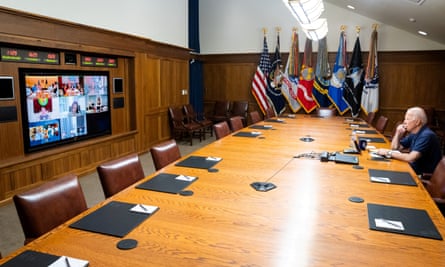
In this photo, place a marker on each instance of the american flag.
(259, 83)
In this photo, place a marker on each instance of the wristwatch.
(389, 154)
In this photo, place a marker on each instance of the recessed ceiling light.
(422, 33)
(350, 7)
(412, 20)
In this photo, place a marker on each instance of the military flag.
(322, 76)
(370, 95)
(353, 88)
(273, 90)
(335, 91)
(289, 83)
(306, 82)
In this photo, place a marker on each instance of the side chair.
(49, 205)
(236, 123)
(165, 153)
(221, 129)
(120, 173)
(254, 116)
(435, 185)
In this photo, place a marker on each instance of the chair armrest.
(425, 183)
(426, 176)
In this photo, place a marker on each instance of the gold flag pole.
(375, 26)
(264, 31)
(357, 29)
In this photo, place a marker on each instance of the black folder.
(247, 134)
(166, 182)
(115, 218)
(357, 131)
(391, 177)
(31, 258)
(359, 125)
(373, 139)
(261, 127)
(197, 162)
(400, 220)
(347, 159)
(275, 120)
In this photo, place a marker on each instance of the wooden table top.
(306, 221)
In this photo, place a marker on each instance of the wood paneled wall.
(409, 78)
(154, 75)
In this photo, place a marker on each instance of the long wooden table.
(306, 221)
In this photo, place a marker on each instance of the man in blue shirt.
(420, 143)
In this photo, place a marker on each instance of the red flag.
(304, 93)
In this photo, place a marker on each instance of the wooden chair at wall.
(381, 124)
(220, 111)
(120, 173)
(221, 129)
(181, 127)
(236, 123)
(165, 153)
(326, 112)
(49, 205)
(254, 116)
(240, 108)
(435, 185)
(192, 116)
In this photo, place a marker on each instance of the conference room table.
(307, 220)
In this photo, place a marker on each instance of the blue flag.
(274, 82)
(335, 91)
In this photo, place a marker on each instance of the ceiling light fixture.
(316, 30)
(350, 7)
(305, 11)
(422, 33)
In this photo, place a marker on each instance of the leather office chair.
(120, 173)
(236, 123)
(435, 184)
(326, 112)
(381, 123)
(49, 205)
(220, 111)
(254, 116)
(270, 113)
(370, 118)
(180, 127)
(165, 153)
(221, 129)
(192, 116)
(239, 108)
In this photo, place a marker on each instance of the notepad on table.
(168, 183)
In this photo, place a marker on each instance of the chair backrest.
(165, 153)
(239, 108)
(270, 113)
(436, 184)
(326, 112)
(370, 118)
(236, 123)
(221, 108)
(177, 116)
(190, 113)
(381, 123)
(120, 173)
(255, 116)
(49, 205)
(221, 129)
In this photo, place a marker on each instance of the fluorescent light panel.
(305, 11)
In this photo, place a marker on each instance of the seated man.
(420, 142)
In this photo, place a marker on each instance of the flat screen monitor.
(63, 106)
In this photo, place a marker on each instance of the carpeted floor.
(11, 234)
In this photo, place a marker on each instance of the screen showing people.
(58, 106)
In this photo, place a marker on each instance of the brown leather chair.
(254, 116)
(181, 128)
(236, 123)
(221, 129)
(435, 185)
(239, 108)
(192, 116)
(270, 113)
(49, 205)
(220, 111)
(326, 112)
(165, 153)
(370, 118)
(381, 124)
(120, 173)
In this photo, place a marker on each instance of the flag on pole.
(273, 90)
(306, 82)
(335, 91)
(259, 83)
(352, 91)
(322, 76)
(289, 83)
(370, 95)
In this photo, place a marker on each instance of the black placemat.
(197, 162)
(31, 258)
(359, 125)
(261, 127)
(401, 220)
(165, 182)
(275, 120)
(247, 134)
(372, 139)
(115, 218)
(357, 131)
(391, 177)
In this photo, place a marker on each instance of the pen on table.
(142, 207)
(67, 262)
(393, 224)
